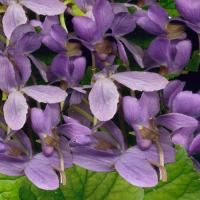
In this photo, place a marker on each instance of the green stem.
(62, 21)
(83, 112)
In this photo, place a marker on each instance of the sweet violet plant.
(79, 87)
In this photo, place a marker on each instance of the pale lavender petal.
(45, 7)
(15, 110)
(103, 99)
(45, 94)
(40, 173)
(11, 166)
(183, 137)
(152, 153)
(174, 121)
(135, 169)
(53, 112)
(55, 160)
(131, 109)
(72, 128)
(150, 104)
(93, 160)
(40, 122)
(14, 16)
(142, 81)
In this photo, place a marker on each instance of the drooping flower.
(141, 115)
(157, 22)
(16, 71)
(171, 55)
(104, 96)
(184, 102)
(15, 14)
(17, 159)
(106, 151)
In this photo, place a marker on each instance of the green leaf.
(194, 62)
(183, 181)
(183, 184)
(9, 187)
(170, 6)
(85, 185)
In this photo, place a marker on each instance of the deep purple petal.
(195, 145)
(183, 53)
(122, 52)
(171, 90)
(84, 27)
(159, 50)
(190, 10)
(123, 24)
(104, 15)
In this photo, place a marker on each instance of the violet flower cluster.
(98, 87)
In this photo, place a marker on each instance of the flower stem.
(162, 170)
(83, 113)
(63, 178)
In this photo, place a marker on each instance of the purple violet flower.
(15, 14)
(104, 96)
(171, 55)
(16, 71)
(17, 159)
(106, 151)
